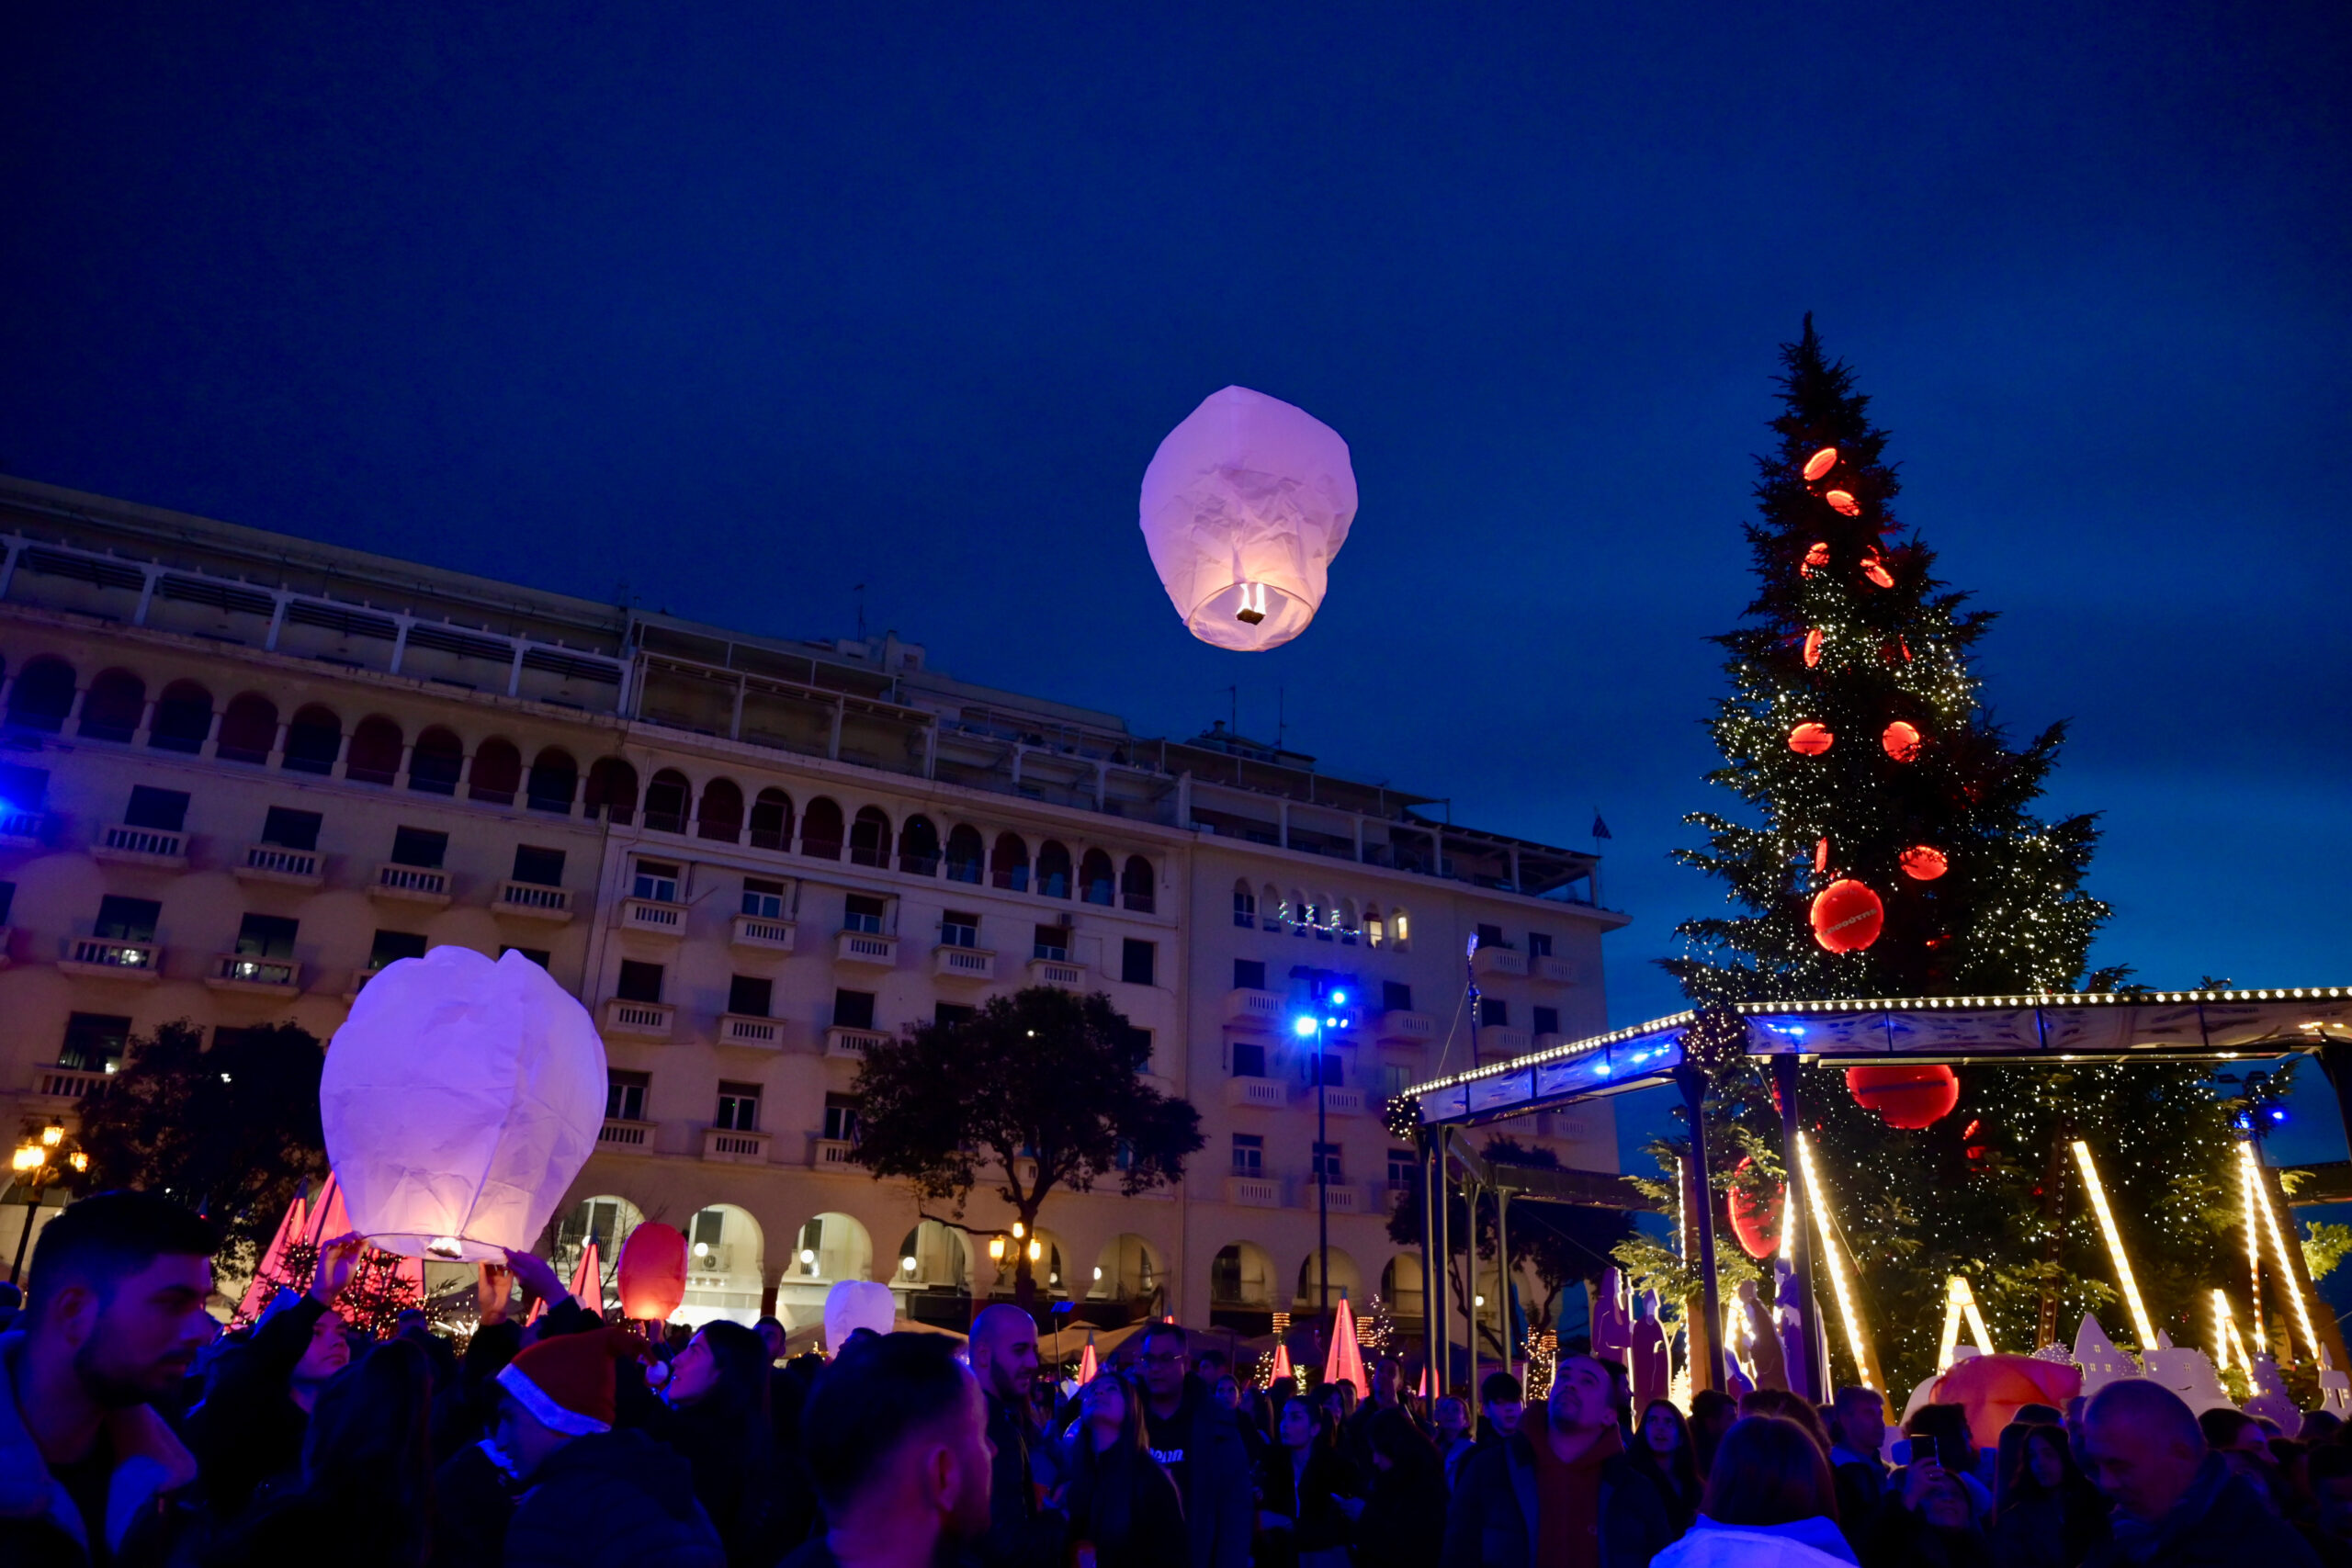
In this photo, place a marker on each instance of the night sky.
(728, 311)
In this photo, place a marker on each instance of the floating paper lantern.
(1243, 507)
(1923, 863)
(459, 1101)
(1755, 1221)
(1846, 917)
(1874, 567)
(1902, 741)
(1815, 558)
(1810, 739)
(852, 1304)
(1813, 648)
(1843, 501)
(1909, 1095)
(652, 1273)
(1820, 463)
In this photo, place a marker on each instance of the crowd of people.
(136, 1434)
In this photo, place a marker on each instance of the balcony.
(757, 1033)
(23, 829)
(1556, 970)
(867, 948)
(68, 1083)
(853, 1044)
(1548, 1041)
(1266, 1094)
(761, 932)
(1057, 971)
(1253, 1191)
(533, 901)
(426, 884)
(646, 1021)
(261, 977)
(1404, 1028)
(143, 846)
(622, 1137)
(831, 1153)
(1337, 1101)
(274, 863)
(1344, 1198)
(1504, 961)
(1253, 1008)
(110, 958)
(1497, 1040)
(653, 917)
(728, 1146)
(962, 963)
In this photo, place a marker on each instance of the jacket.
(612, 1500)
(1021, 1533)
(249, 1430)
(1220, 1502)
(1806, 1543)
(2220, 1522)
(40, 1526)
(1493, 1520)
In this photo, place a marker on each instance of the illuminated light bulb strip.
(2123, 1277)
(2278, 1246)
(1838, 1284)
(1982, 1334)
(2224, 1331)
(1954, 1288)
(1791, 1216)
(2237, 1348)
(2249, 1201)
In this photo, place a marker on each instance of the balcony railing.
(653, 917)
(23, 829)
(411, 883)
(141, 846)
(867, 948)
(1337, 1101)
(68, 1083)
(1344, 1198)
(617, 1134)
(1253, 1191)
(1557, 970)
(244, 972)
(962, 963)
(1402, 1028)
(1492, 960)
(1267, 1094)
(831, 1153)
(1497, 1040)
(1057, 971)
(759, 1033)
(112, 958)
(1253, 1008)
(762, 932)
(275, 862)
(533, 901)
(648, 1021)
(852, 1042)
(730, 1146)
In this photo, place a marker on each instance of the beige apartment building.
(240, 771)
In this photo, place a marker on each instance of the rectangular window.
(1396, 996)
(1245, 909)
(94, 1042)
(421, 847)
(126, 920)
(864, 913)
(1547, 1020)
(1491, 936)
(1248, 1154)
(853, 1009)
(624, 1095)
(739, 1107)
(1248, 1060)
(655, 880)
(751, 995)
(1326, 1162)
(639, 982)
(949, 1014)
(1393, 1080)
(390, 946)
(762, 899)
(1493, 1011)
(1329, 1062)
(1404, 1170)
(958, 929)
(8, 900)
(1136, 961)
(1539, 945)
(291, 829)
(538, 867)
(164, 810)
(1051, 941)
(1248, 974)
(1138, 1040)
(265, 936)
(538, 956)
(841, 1118)
(23, 788)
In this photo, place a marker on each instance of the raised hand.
(490, 1285)
(337, 1260)
(532, 1273)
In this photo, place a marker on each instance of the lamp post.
(1326, 1013)
(45, 1158)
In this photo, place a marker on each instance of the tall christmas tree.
(1890, 850)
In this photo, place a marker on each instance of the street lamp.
(1324, 1002)
(43, 1160)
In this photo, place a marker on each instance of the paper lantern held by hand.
(459, 1101)
(1846, 917)
(1810, 739)
(1902, 741)
(1909, 1095)
(652, 1272)
(1243, 507)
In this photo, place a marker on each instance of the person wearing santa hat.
(593, 1497)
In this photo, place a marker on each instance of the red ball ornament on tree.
(1874, 567)
(1842, 502)
(1813, 648)
(1810, 739)
(1923, 863)
(1820, 463)
(1815, 558)
(1846, 917)
(1755, 1221)
(1910, 1096)
(1902, 741)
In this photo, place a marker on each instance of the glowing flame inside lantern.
(1820, 463)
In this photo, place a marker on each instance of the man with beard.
(899, 1454)
(115, 1320)
(1023, 1533)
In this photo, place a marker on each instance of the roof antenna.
(1233, 718)
(1282, 725)
(860, 592)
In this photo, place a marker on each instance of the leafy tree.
(232, 1131)
(1037, 1092)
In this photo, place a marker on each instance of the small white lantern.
(1244, 505)
(459, 1101)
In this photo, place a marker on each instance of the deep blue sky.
(744, 307)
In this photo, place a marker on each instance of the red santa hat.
(566, 1382)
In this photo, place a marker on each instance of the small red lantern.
(1816, 557)
(1821, 856)
(1843, 501)
(1820, 463)
(652, 1274)
(1846, 917)
(1813, 648)
(1810, 739)
(1909, 1096)
(1874, 567)
(1902, 741)
(1755, 1221)
(1923, 863)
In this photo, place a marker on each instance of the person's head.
(328, 1352)
(1711, 1412)
(905, 1438)
(1662, 1431)
(1858, 1420)
(559, 1389)
(119, 1284)
(1779, 1402)
(1112, 1412)
(723, 1369)
(1399, 1448)
(1226, 1391)
(1501, 1400)
(369, 1431)
(1583, 1396)
(1451, 1416)
(1303, 1422)
(2047, 1460)
(1004, 1351)
(2143, 1446)
(771, 1333)
(1210, 1365)
(1768, 1471)
(1945, 1503)
(2330, 1473)
(1164, 1361)
(2239, 1439)
(2319, 1426)
(1387, 1383)
(1940, 1432)
(1342, 1395)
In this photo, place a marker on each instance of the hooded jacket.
(612, 1500)
(40, 1526)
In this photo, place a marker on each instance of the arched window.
(869, 837)
(43, 695)
(964, 853)
(1400, 929)
(313, 740)
(1375, 930)
(667, 800)
(1053, 870)
(248, 729)
(612, 791)
(374, 751)
(722, 818)
(498, 771)
(1009, 866)
(1097, 884)
(555, 779)
(772, 820)
(1349, 923)
(183, 718)
(117, 702)
(433, 765)
(1245, 905)
(919, 847)
(820, 830)
(1138, 886)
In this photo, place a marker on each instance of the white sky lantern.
(459, 1101)
(1244, 505)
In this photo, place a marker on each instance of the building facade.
(241, 771)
